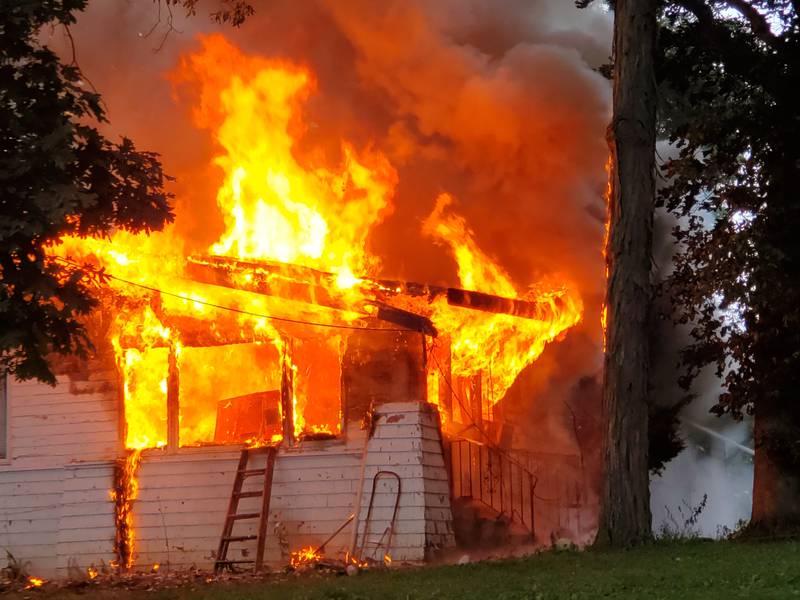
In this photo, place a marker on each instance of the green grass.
(662, 571)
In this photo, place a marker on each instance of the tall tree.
(58, 176)
(625, 503)
(730, 101)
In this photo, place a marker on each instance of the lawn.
(662, 571)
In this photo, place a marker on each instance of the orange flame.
(34, 582)
(497, 345)
(278, 208)
(305, 557)
(125, 491)
(274, 207)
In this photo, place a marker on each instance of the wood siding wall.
(56, 513)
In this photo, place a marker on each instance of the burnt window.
(179, 396)
(229, 394)
(145, 375)
(317, 376)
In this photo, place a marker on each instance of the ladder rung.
(249, 472)
(249, 494)
(240, 538)
(245, 516)
(233, 562)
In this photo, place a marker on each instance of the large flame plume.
(279, 209)
(273, 207)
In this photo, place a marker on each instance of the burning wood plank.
(297, 283)
(314, 286)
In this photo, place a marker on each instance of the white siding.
(54, 505)
(183, 497)
(56, 514)
(407, 442)
(73, 422)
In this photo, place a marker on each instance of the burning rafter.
(297, 283)
(315, 286)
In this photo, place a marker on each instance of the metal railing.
(489, 476)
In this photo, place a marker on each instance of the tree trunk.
(776, 477)
(776, 473)
(625, 503)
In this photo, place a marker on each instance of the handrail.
(489, 476)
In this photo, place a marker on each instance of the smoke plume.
(714, 472)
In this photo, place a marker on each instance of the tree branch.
(734, 53)
(758, 23)
(74, 63)
(701, 10)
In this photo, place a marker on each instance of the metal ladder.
(242, 473)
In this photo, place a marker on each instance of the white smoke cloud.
(708, 465)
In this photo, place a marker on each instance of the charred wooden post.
(287, 396)
(490, 303)
(476, 397)
(443, 360)
(173, 406)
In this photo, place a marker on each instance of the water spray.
(747, 450)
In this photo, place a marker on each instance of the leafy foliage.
(664, 440)
(234, 12)
(729, 101)
(58, 176)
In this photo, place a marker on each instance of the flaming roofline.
(306, 284)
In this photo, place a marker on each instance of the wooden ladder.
(242, 473)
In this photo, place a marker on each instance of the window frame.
(173, 445)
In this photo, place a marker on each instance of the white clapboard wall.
(55, 510)
(56, 514)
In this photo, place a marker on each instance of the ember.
(305, 557)
(34, 582)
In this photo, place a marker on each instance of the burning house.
(274, 397)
